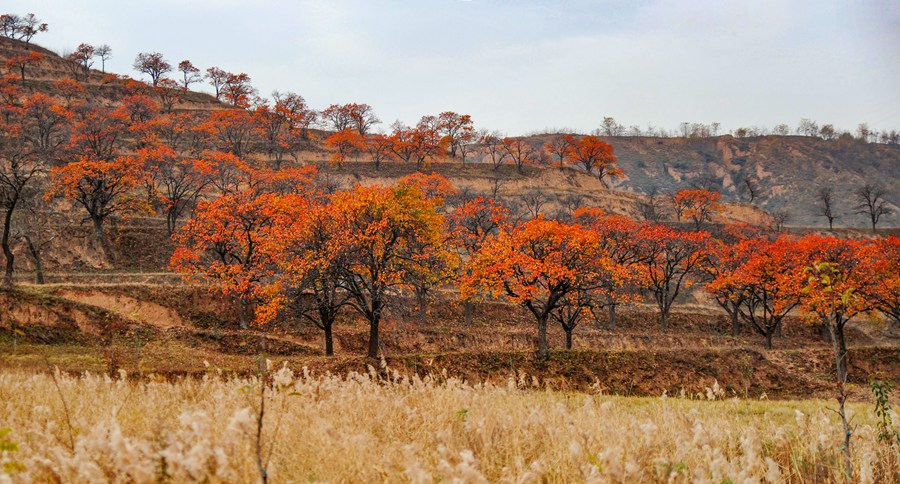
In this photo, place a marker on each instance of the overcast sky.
(525, 65)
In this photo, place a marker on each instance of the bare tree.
(779, 218)
(534, 201)
(808, 127)
(826, 205)
(871, 202)
(651, 207)
(104, 52)
(611, 127)
(747, 186)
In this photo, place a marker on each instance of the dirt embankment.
(185, 330)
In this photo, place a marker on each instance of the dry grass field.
(389, 428)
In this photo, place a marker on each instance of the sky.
(521, 66)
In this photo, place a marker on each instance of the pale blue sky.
(521, 66)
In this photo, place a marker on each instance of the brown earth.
(184, 330)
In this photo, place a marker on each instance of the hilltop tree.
(217, 79)
(83, 56)
(494, 147)
(237, 90)
(825, 197)
(596, 157)
(104, 52)
(21, 28)
(611, 127)
(456, 131)
(189, 74)
(871, 202)
(153, 64)
(561, 147)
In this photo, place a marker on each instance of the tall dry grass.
(356, 429)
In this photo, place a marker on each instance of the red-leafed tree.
(457, 130)
(521, 152)
(670, 263)
(596, 157)
(539, 264)
(222, 245)
(22, 62)
(153, 64)
(189, 74)
(345, 144)
(379, 230)
(102, 188)
(468, 228)
(699, 205)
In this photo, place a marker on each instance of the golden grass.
(358, 428)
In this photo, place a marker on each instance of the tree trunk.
(469, 307)
(735, 324)
(7, 250)
(543, 350)
(836, 328)
(768, 340)
(778, 331)
(101, 238)
(374, 319)
(568, 337)
(612, 315)
(38, 268)
(422, 304)
(663, 316)
(244, 313)
(329, 340)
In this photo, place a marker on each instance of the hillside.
(110, 89)
(788, 170)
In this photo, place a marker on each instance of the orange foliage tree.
(884, 296)
(537, 264)
(308, 259)
(670, 263)
(468, 227)
(618, 244)
(102, 188)
(21, 62)
(521, 153)
(838, 276)
(595, 156)
(769, 281)
(380, 229)
(222, 245)
(31, 136)
(345, 144)
(697, 204)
